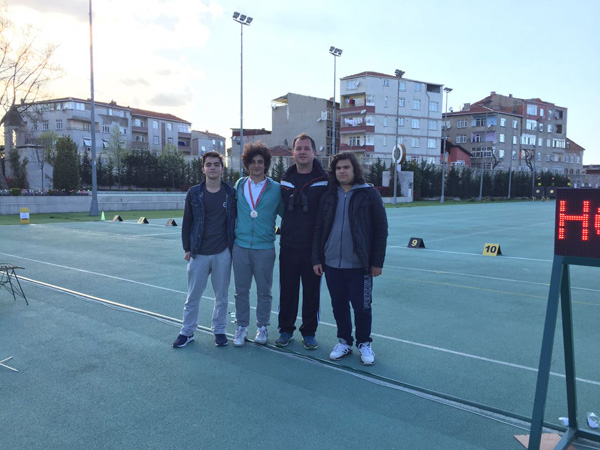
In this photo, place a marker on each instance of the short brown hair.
(251, 149)
(212, 155)
(304, 136)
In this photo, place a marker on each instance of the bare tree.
(26, 66)
(496, 160)
(528, 155)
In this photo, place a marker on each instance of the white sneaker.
(367, 356)
(340, 350)
(240, 336)
(261, 336)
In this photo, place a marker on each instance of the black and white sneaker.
(182, 341)
(220, 340)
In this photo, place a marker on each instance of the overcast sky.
(183, 56)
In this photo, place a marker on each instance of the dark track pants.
(351, 287)
(295, 266)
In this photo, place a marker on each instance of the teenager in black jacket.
(349, 247)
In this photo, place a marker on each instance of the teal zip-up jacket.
(259, 233)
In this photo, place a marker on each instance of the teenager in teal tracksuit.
(253, 255)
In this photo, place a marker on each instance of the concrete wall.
(106, 202)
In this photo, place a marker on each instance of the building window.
(476, 138)
(502, 121)
(110, 112)
(514, 155)
(59, 124)
(515, 124)
(532, 110)
(155, 140)
(540, 142)
(155, 124)
(539, 157)
(44, 124)
(384, 140)
(432, 125)
(417, 87)
(123, 131)
(501, 138)
(416, 104)
(416, 123)
(478, 122)
(370, 100)
(462, 123)
(431, 143)
(106, 128)
(433, 106)
(386, 82)
(501, 153)
(414, 142)
(385, 101)
(461, 138)
(138, 123)
(402, 102)
(515, 140)
(541, 112)
(170, 140)
(531, 124)
(385, 121)
(402, 86)
(400, 121)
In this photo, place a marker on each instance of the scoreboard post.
(576, 242)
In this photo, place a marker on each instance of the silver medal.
(254, 214)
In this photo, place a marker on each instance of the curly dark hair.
(251, 149)
(358, 172)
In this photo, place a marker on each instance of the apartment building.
(504, 132)
(140, 129)
(205, 141)
(379, 110)
(292, 114)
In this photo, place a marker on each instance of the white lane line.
(401, 247)
(391, 338)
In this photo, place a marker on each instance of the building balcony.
(139, 145)
(357, 148)
(357, 129)
(181, 134)
(185, 149)
(353, 109)
(143, 130)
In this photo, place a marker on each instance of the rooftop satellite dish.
(363, 111)
(321, 148)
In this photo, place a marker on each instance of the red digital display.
(577, 231)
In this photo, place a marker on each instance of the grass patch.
(14, 219)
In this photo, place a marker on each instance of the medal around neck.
(254, 214)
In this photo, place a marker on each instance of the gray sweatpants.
(248, 263)
(199, 268)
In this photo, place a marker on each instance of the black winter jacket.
(368, 225)
(192, 226)
(298, 221)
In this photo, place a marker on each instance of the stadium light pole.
(399, 73)
(242, 19)
(447, 90)
(94, 205)
(335, 52)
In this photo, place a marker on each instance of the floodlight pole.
(399, 73)
(447, 90)
(242, 20)
(335, 52)
(94, 205)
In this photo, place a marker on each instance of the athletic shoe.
(367, 356)
(240, 336)
(310, 343)
(284, 339)
(261, 336)
(220, 340)
(340, 350)
(182, 341)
